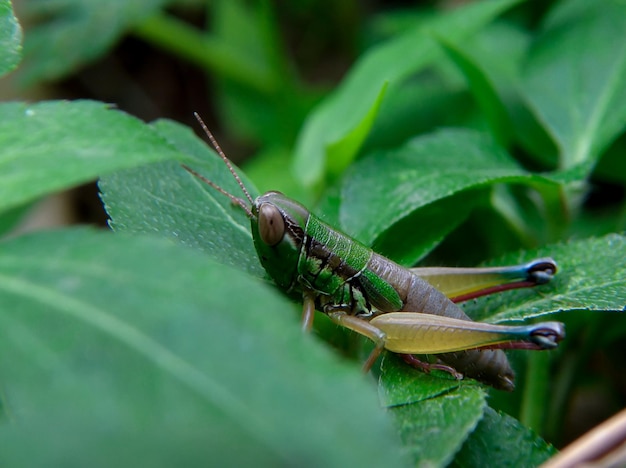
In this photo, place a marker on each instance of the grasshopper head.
(278, 223)
(278, 229)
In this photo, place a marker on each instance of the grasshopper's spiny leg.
(426, 367)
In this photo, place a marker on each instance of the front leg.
(340, 317)
(363, 328)
(308, 310)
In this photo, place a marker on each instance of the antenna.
(239, 201)
(223, 156)
(216, 146)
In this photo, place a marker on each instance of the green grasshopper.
(395, 307)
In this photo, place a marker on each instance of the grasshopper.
(395, 307)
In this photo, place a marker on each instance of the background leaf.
(387, 186)
(115, 349)
(270, 105)
(390, 62)
(69, 28)
(10, 38)
(484, 93)
(53, 145)
(575, 77)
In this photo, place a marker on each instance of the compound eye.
(271, 224)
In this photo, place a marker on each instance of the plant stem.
(534, 399)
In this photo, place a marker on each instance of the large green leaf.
(575, 77)
(54, 145)
(71, 33)
(386, 187)
(433, 430)
(352, 104)
(10, 38)
(500, 440)
(116, 349)
(590, 277)
(165, 199)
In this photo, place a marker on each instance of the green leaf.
(56, 145)
(406, 242)
(589, 278)
(500, 440)
(400, 384)
(75, 32)
(116, 349)
(386, 187)
(417, 106)
(341, 153)
(575, 77)
(484, 92)
(433, 430)
(166, 200)
(358, 95)
(10, 38)
(313, 155)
